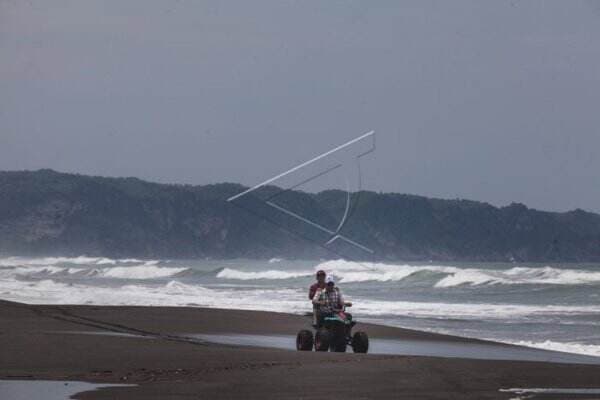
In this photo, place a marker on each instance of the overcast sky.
(497, 101)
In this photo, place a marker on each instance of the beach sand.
(154, 349)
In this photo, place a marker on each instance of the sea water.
(549, 306)
(46, 390)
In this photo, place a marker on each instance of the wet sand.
(158, 350)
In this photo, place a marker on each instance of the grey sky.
(488, 100)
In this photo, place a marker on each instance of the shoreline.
(152, 347)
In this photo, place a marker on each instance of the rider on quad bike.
(329, 300)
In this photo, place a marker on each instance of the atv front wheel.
(304, 340)
(360, 342)
(339, 346)
(322, 340)
(338, 339)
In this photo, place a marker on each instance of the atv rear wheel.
(360, 342)
(304, 340)
(322, 340)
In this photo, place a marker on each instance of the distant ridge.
(50, 213)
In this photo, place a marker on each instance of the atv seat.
(322, 317)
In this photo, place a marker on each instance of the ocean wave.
(449, 276)
(42, 271)
(437, 276)
(270, 299)
(350, 272)
(80, 260)
(519, 276)
(229, 273)
(147, 270)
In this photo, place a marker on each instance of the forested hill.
(49, 213)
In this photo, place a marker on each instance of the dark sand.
(41, 342)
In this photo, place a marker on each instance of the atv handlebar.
(346, 304)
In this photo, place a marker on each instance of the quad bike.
(334, 333)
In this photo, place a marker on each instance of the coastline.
(155, 349)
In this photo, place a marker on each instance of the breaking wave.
(147, 270)
(447, 276)
(81, 260)
(229, 273)
(436, 276)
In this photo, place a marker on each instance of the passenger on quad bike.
(320, 284)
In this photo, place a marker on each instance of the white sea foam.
(577, 348)
(229, 273)
(471, 311)
(172, 293)
(146, 271)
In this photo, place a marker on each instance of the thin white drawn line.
(346, 210)
(307, 221)
(352, 242)
(301, 218)
(335, 235)
(304, 164)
